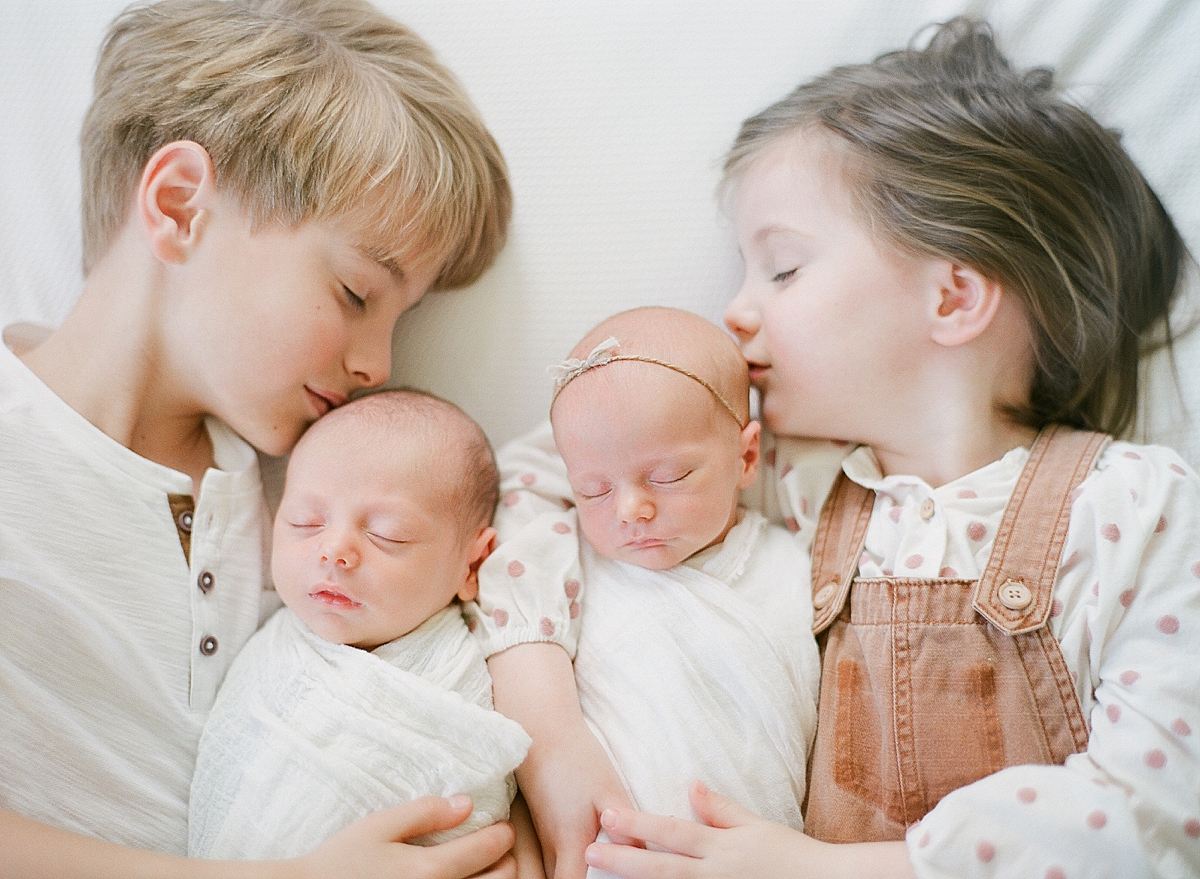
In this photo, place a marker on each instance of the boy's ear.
(964, 302)
(750, 439)
(172, 197)
(481, 547)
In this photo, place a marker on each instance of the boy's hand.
(375, 846)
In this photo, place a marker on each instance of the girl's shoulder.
(1148, 474)
(1139, 500)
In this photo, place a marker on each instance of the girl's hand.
(375, 846)
(567, 778)
(734, 842)
(567, 787)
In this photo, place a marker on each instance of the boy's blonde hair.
(309, 110)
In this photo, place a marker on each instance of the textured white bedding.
(613, 118)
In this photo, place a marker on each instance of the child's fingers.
(639, 863)
(718, 811)
(673, 834)
(418, 817)
(505, 868)
(484, 852)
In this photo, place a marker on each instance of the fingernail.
(460, 801)
(589, 856)
(608, 817)
(701, 787)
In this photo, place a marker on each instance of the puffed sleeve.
(529, 588)
(796, 477)
(1127, 614)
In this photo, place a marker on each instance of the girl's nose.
(634, 505)
(742, 314)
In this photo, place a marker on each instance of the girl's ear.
(964, 303)
(172, 196)
(750, 440)
(481, 547)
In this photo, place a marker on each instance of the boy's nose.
(369, 359)
(340, 553)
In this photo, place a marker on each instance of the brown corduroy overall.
(929, 684)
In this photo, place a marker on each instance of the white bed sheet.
(613, 118)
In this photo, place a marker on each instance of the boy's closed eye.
(670, 478)
(357, 302)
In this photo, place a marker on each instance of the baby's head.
(656, 435)
(309, 111)
(385, 517)
(945, 151)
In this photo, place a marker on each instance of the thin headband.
(604, 353)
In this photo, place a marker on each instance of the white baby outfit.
(112, 645)
(1126, 612)
(307, 736)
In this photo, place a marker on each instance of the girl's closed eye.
(780, 277)
(592, 492)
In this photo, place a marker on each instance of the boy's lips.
(323, 401)
(331, 597)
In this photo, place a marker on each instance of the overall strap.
(841, 533)
(1016, 588)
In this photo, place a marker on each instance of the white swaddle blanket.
(307, 736)
(707, 674)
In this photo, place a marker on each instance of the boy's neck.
(107, 362)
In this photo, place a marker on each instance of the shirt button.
(1015, 595)
(824, 595)
(208, 645)
(184, 521)
(927, 509)
(205, 581)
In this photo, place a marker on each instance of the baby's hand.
(375, 846)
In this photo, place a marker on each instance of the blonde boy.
(267, 186)
(366, 689)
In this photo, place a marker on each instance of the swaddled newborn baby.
(366, 690)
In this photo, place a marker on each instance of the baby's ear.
(176, 184)
(481, 547)
(750, 439)
(963, 303)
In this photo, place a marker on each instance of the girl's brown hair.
(952, 153)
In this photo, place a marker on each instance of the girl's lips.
(645, 543)
(757, 372)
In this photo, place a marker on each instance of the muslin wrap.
(307, 736)
(707, 674)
